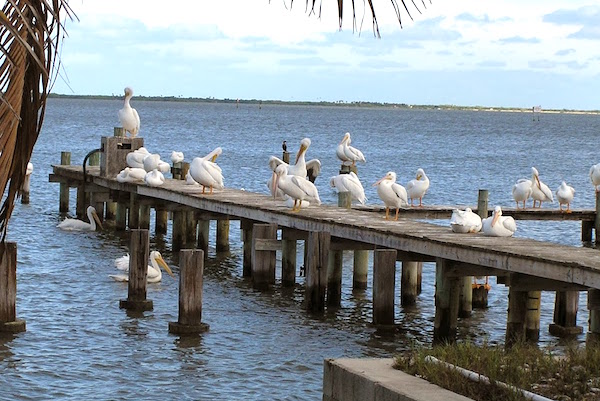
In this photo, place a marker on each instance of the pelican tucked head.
(389, 176)
(420, 173)
(304, 144)
(497, 214)
(128, 91)
(345, 138)
(155, 255)
(214, 154)
(536, 176)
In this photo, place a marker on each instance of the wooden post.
(119, 131)
(139, 251)
(447, 291)
(190, 230)
(286, 157)
(121, 217)
(222, 235)
(8, 289)
(288, 260)
(111, 210)
(178, 230)
(593, 303)
(532, 316)
(479, 294)
(63, 207)
(190, 293)
(263, 261)
(160, 225)
(586, 230)
(597, 221)
(517, 311)
(82, 202)
(203, 233)
(94, 159)
(334, 278)
(134, 212)
(419, 277)
(465, 305)
(361, 269)
(345, 200)
(384, 283)
(246, 227)
(316, 270)
(408, 283)
(144, 217)
(566, 305)
(176, 171)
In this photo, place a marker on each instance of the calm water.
(261, 345)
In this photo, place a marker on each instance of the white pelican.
(128, 116)
(131, 174)
(151, 162)
(497, 225)
(176, 157)
(154, 274)
(297, 188)
(29, 168)
(206, 172)
(349, 154)
(154, 178)
(595, 176)
(391, 193)
(417, 188)
(79, 225)
(539, 191)
(301, 167)
(349, 183)
(136, 158)
(465, 221)
(521, 191)
(189, 180)
(565, 194)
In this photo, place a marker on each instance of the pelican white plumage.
(465, 221)
(131, 174)
(349, 154)
(154, 178)
(521, 191)
(151, 162)
(297, 188)
(301, 167)
(391, 193)
(349, 183)
(79, 225)
(189, 180)
(497, 225)
(206, 172)
(136, 158)
(417, 187)
(29, 169)
(539, 191)
(595, 176)
(176, 157)
(565, 194)
(128, 116)
(154, 273)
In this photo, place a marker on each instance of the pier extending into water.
(527, 266)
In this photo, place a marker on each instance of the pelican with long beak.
(298, 188)
(79, 225)
(417, 188)
(539, 191)
(154, 274)
(128, 116)
(349, 154)
(497, 225)
(391, 193)
(206, 172)
(565, 194)
(301, 167)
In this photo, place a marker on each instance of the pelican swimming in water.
(349, 155)
(297, 188)
(176, 157)
(128, 116)
(154, 273)
(131, 174)
(391, 193)
(595, 176)
(417, 188)
(301, 167)
(206, 172)
(154, 178)
(79, 225)
(136, 158)
(539, 191)
(465, 221)
(497, 225)
(349, 183)
(521, 191)
(565, 194)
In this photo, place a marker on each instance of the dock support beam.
(566, 305)
(246, 227)
(8, 289)
(384, 284)
(408, 283)
(139, 251)
(517, 312)
(334, 278)
(447, 290)
(222, 235)
(134, 212)
(160, 225)
(288, 259)
(532, 317)
(317, 257)
(593, 336)
(191, 225)
(361, 270)
(178, 230)
(63, 206)
(465, 305)
(121, 218)
(203, 233)
(263, 261)
(145, 217)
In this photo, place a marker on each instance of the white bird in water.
(297, 188)
(349, 183)
(539, 191)
(131, 174)
(154, 273)
(349, 155)
(301, 167)
(521, 191)
(417, 188)
(565, 194)
(206, 172)
(154, 178)
(79, 225)
(176, 157)
(497, 225)
(465, 221)
(595, 176)
(391, 193)
(136, 158)
(128, 116)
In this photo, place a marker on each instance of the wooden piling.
(361, 270)
(222, 235)
(139, 251)
(447, 290)
(191, 224)
(566, 305)
(593, 304)
(288, 259)
(119, 131)
(63, 207)
(334, 278)
(345, 200)
(587, 228)
(316, 270)
(384, 283)
(191, 278)
(82, 202)
(176, 171)
(8, 289)
(597, 221)
(178, 236)
(203, 234)
(144, 217)
(121, 216)
(532, 316)
(517, 312)
(465, 304)
(408, 283)
(133, 212)
(160, 224)
(419, 277)
(111, 210)
(246, 226)
(263, 260)
(479, 296)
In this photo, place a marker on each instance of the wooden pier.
(527, 266)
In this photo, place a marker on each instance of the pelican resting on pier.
(564, 195)
(497, 225)
(206, 172)
(595, 176)
(391, 193)
(297, 188)
(128, 116)
(153, 161)
(176, 157)
(131, 174)
(465, 221)
(349, 183)
(154, 178)
(417, 188)
(521, 191)
(349, 155)
(154, 273)
(301, 167)
(136, 158)
(539, 191)
(79, 225)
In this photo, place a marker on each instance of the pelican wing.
(400, 193)
(307, 187)
(509, 223)
(274, 162)
(314, 167)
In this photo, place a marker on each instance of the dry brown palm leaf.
(30, 33)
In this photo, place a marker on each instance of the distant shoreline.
(330, 104)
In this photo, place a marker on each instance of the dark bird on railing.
(284, 146)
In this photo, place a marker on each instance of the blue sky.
(504, 53)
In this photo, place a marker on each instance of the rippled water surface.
(261, 345)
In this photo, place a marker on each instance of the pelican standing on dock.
(79, 225)
(128, 116)
(206, 172)
(349, 183)
(565, 194)
(539, 191)
(349, 155)
(595, 176)
(301, 167)
(154, 274)
(417, 188)
(297, 188)
(497, 225)
(521, 191)
(465, 221)
(391, 193)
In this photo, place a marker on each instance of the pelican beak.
(300, 152)
(165, 266)
(212, 159)
(537, 179)
(380, 181)
(495, 219)
(95, 216)
(419, 176)
(274, 182)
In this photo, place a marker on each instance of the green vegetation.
(573, 376)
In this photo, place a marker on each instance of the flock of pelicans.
(289, 182)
